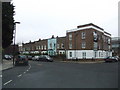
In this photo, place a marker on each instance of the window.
(36, 47)
(70, 36)
(70, 45)
(58, 46)
(99, 54)
(95, 45)
(95, 54)
(39, 47)
(83, 35)
(54, 45)
(60, 52)
(42, 47)
(95, 35)
(84, 54)
(109, 47)
(62, 45)
(45, 47)
(50, 45)
(109, 41)
(83, 44)
(70, 54)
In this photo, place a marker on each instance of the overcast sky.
(44, 18)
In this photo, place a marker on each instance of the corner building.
(88, 41)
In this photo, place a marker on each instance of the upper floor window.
(57, 46)
(83, 35)
(36, 47)
(70, 36)
(83, 44)
(95, 35)
(45, 47)
(39, 47)
(70, 45)
(95, 45)
(108, 40)
(42, 47)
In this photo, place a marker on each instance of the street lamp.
(14, 40)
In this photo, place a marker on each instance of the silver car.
(35, 58)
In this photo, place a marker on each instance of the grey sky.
(44, 18)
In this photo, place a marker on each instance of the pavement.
(6, 64)
(99, 61)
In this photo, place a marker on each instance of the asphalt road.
(62, 75)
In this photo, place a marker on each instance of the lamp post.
(14, 40)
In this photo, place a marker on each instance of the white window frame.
(70, 36)
(83, 54)
(70, 54)
(70, 45)
(62, 45)
(83, 34)
(83, 44)
(45, 47)
(57, 46)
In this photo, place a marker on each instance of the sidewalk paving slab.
(7, 64)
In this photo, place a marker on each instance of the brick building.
(88, 41)
(61, 45)
(116, 46)
(84, 42)
(36, 47)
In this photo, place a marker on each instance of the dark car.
(21, 59)
(29, 57)
(45, 58)
(111, 59)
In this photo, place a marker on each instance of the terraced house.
(87, 41)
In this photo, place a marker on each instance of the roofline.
(90, 24)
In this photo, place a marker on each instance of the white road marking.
(0, 75)
(20, 75)
(30, 66)
(24, 72)
(7, 82)
(27, 70)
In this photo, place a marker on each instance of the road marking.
(7, 82)
(24, 72)
(20, 75)
(0, 75)
(29, 66)
(27, 70)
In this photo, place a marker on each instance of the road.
(62, 75)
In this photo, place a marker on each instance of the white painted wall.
(89, 54)
(62, 51)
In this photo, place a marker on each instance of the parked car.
(45, 58)
(29, 57)
(35, 58)
(111, 59)
(7, 57)
(21, 59)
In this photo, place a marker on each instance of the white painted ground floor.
(80, 54)
(87, 54)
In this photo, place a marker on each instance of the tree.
(7, 24)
